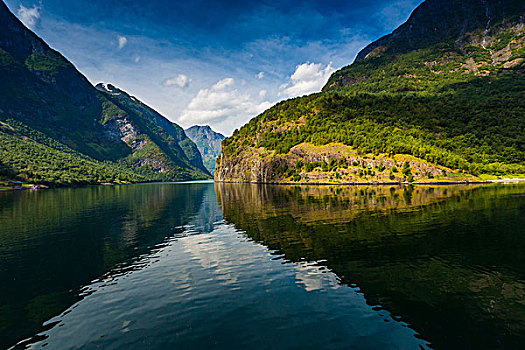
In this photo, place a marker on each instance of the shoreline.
(390, 183)
(22, 189)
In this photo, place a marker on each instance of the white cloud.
(180, 80)
(260, 75)
(220, 103)
(136, 59)
(262, 93)
(122, 41)
(29, 16)
(307, 78)
(222, 84)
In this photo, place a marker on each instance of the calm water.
(200, 266)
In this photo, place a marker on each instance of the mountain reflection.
(54, 242)
(446, 259)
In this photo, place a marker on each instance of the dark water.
(200, 266)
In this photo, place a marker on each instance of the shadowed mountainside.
(57, 129)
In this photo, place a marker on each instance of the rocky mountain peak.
(443, 41)
(442, 20)
(208, 142)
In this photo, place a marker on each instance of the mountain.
(438, 22)
(443, 42)
(441, 98)
(56, 128)
(208, 142)
(149, 133)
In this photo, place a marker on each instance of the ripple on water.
(199, 288)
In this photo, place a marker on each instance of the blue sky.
(211, 62)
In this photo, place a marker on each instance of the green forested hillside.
(457, 103)
(29, 155)
(468, 127)
(43, 93)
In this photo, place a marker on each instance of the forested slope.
(42, 93)
(443, 97)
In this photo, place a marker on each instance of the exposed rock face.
(208, 142)
(120, 127)
(261, 166)
(248, 167)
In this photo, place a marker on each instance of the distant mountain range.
(56, 128)
(441, 98)
(208, 142)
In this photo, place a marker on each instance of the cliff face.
(208, 142)
(248, 167)
(331, 163)
(439, 98)
(45, 101)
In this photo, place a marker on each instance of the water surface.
(265, 267)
